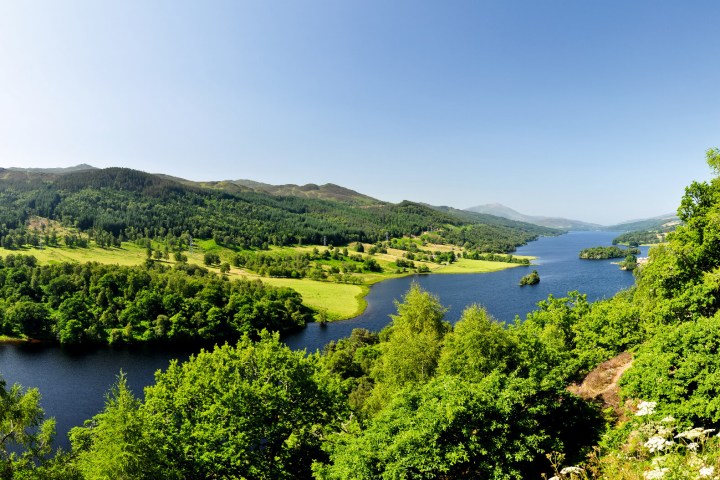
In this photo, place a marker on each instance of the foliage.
(603, 253)
(257, 410)
(546, 343)
(654, 445)
(25, 438)
(640, 237)
(477, 346)
(494, 257)
(93, 303)
(532, 278)
(680, 369)
(113, 444)
(445, 429)
(412, 350)
(610, 327)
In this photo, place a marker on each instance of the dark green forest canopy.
(94, 303)
(129, 204)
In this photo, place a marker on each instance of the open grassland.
(465, 265)
(336, 300)
(128, 255)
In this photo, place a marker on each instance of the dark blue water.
(73, 385)
(560, 269)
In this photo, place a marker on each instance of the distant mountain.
(499, 210)
(496, 220)
(661, 223)
(60, 170)
(328, 191)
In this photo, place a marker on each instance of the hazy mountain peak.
(329, 191)
(56, 170)
(504, 211)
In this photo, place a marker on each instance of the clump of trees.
(532, 278)
(603, 253)
(94, 303)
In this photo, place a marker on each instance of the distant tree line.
(603, 253)
(637, 238)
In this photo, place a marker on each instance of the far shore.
(332, 300)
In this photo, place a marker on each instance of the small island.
(532, 278)
(629, 264)
(604, 253)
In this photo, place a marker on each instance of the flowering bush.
(653, 449)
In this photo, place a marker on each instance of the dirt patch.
(41, 223)
(602, 383)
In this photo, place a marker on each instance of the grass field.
(129, 254)
(465, 265)
(338, 300)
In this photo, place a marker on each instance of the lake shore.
(332, 300)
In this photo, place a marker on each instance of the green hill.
(128, 204)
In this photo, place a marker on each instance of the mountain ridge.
(662, 222)
(500, 210)
(131, 204)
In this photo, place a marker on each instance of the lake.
(73, 384)
(560, 269)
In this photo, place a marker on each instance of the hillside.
(661, 223)
(500, 210)
(328, 191)
(59, 170)
(120, 204)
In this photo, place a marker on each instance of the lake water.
(73, 384)
(560, 269)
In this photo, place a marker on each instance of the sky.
(593, 110)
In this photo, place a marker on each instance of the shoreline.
(339, 301)
(442, 270)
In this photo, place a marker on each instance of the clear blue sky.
(599, 111)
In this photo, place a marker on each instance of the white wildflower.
(706, 472)
(692, 446)
(657, 444)
(646, 408)
(695, 433)
(656, 473)
(570, 470)
(658, 461)
(668, 419)
(554, 478)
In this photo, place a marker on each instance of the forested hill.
(329, 191)
(128, 204)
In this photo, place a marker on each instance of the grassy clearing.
(339, 300)
(465, 265)
(128, 255)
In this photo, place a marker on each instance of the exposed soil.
(602, 383)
